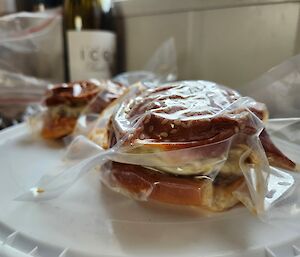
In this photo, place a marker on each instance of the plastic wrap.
(162, 67)
(282, 201)
(27, 45)
(20, 96)
(185, 143)
(170, 151)
(279, 89)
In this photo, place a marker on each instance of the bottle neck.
(88, 15)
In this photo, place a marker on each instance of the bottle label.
(91, 54)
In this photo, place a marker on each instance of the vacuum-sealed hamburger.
(186, 143)
(65, 102)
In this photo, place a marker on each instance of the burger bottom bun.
(55, 128)
(146, 184)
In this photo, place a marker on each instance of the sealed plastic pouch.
(169, 159)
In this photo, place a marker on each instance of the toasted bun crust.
(142, 183)
(72, 93)
(189, 112)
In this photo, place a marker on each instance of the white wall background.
(227, 41)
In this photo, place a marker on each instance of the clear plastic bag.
(282, 201)
(214, 173)
(27, 45)
(162, 67)
(20, 96)
(279, 89)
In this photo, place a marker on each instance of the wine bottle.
(90, 39)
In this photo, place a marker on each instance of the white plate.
(90, 220)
